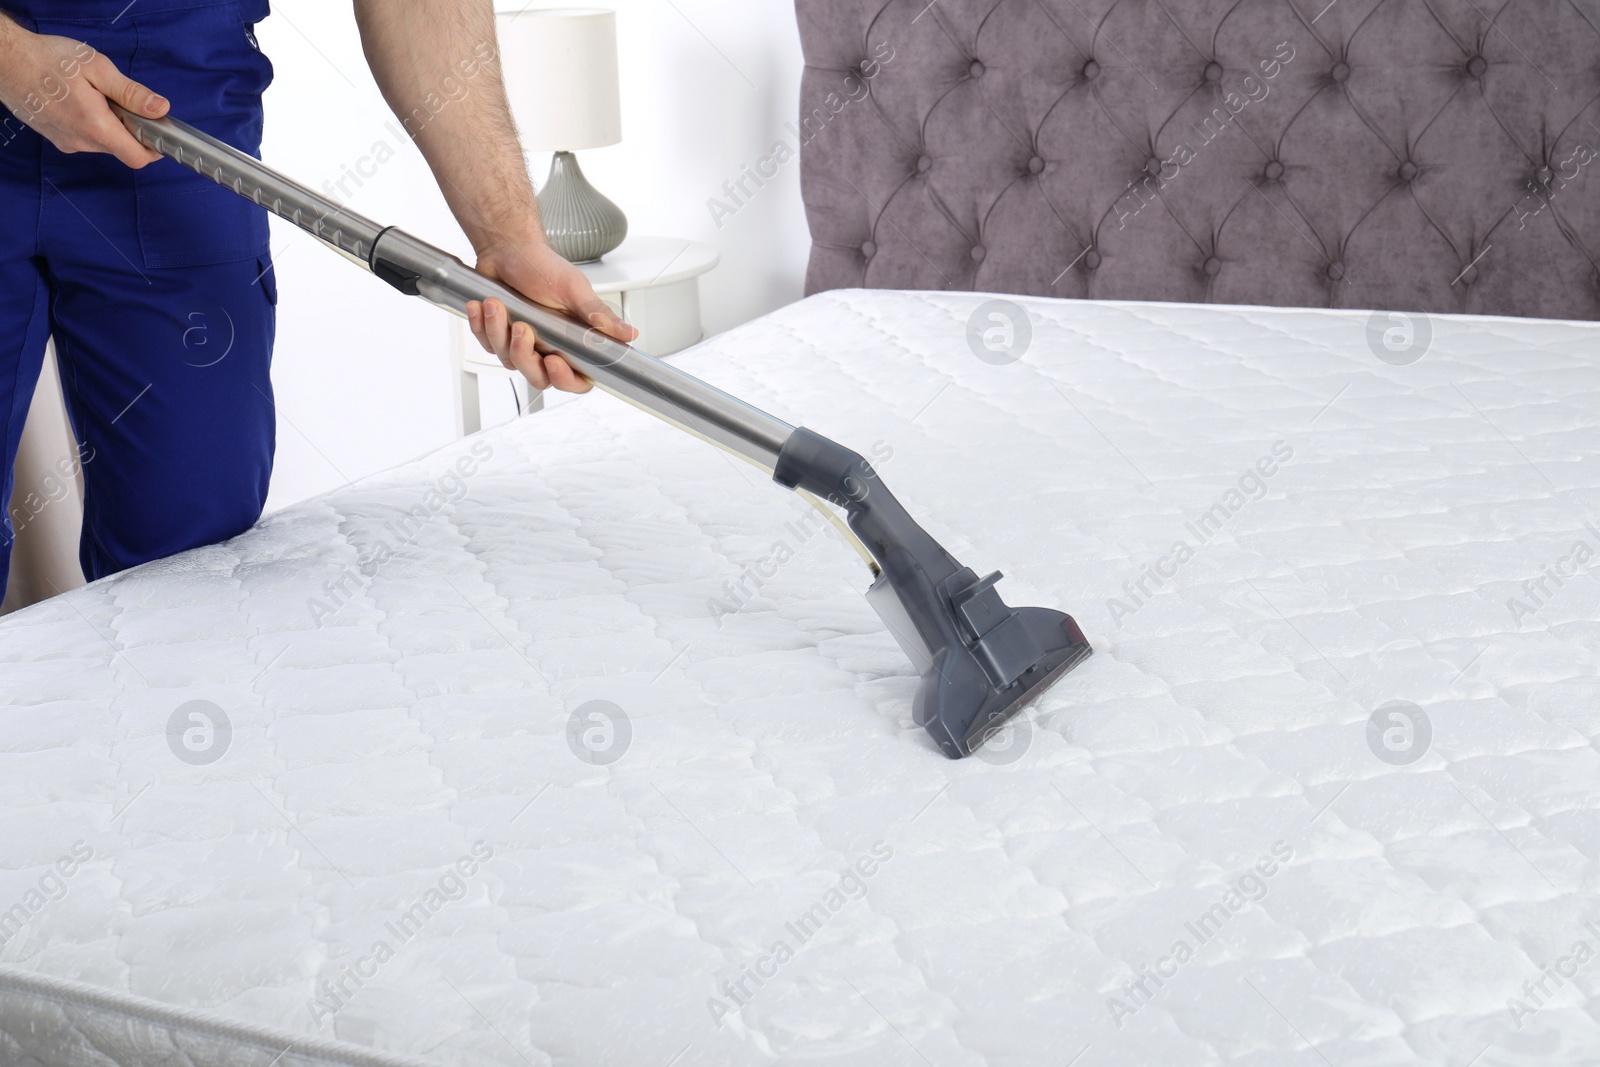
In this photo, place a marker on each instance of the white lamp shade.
(560, 68)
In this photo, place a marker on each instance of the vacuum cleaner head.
(981, 660)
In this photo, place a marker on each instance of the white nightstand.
(652, 282)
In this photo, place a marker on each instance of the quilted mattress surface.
(576, 743)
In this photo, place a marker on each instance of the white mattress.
(1013, 902)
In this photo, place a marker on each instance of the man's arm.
(437, 63)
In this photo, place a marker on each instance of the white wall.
(364, 376)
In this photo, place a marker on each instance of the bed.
(576, 743)
(1343, 749)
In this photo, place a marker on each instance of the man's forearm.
(438, 67)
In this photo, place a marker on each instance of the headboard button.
(924, 163)
(1273, 171)
(1213, 71)
(1152, 166)
(1477, 66)
(978, 253)
(976, 70)
(868, 249)
(1212, 266)
(1091, 70)
(1035, 165)
(1468, 276)
(1340, 72)
(1408, 171)
(1545, 175)
(1336, 271)
(1091, 259)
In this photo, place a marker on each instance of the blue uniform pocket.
(205, 61)
(191, 225)
(269, 280)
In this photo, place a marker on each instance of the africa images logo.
(1250, 486)
(199, 732)
(999, 332)
(1247, 888)
(851, 885)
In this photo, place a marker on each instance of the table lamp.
(561, 79)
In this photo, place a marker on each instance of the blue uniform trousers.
(155, 284)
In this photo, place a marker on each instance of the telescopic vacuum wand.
(981, 660)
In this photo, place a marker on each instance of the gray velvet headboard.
(1435, 155)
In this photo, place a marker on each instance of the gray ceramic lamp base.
(582, 224)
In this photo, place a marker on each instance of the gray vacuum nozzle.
(981, 660)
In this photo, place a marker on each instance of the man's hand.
(533, 269)
(59, 87)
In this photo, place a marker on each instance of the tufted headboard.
(1429, 155)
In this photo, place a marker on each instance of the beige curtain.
(47, 503)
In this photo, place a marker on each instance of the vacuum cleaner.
(980, 660)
